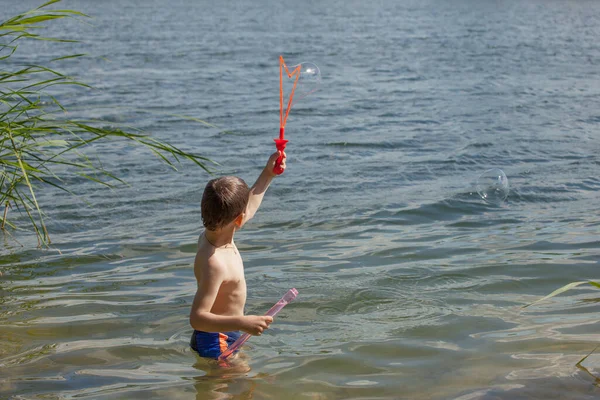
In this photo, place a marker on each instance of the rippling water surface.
(410, 285)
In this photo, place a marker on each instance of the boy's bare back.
(226, 262)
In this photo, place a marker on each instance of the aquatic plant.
(563, 289)
(38, 143)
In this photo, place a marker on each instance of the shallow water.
(410, 285)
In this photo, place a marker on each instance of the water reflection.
(221, 386)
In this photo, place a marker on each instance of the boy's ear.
(239, 221)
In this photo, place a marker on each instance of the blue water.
(411, 286)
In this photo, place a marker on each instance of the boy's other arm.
(257, 191)
(201, 319)
(209, 282)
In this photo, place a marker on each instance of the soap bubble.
(492, 186)
(309, 80)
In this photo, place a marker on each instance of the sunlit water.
(411, 286)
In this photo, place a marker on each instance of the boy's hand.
(271, 163)
(256, 324)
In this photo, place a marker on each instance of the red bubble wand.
(283, 116)
(306, 78)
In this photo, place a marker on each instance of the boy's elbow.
(192, 321)
(196, 321)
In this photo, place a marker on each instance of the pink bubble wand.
(284, 301)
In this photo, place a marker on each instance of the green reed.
(38, 143)
(562, 290)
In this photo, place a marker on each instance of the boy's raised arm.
(257, 191)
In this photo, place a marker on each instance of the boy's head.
(223, 201)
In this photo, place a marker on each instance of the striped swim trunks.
(212, 344)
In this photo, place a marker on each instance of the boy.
(217, 313)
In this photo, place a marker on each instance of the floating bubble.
(309, 80)
(492, 186)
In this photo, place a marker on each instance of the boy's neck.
(221, 237)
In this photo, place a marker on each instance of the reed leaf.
(562, 290)
(38, 143)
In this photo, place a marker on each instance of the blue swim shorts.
(212, 344)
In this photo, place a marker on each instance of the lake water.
(411, 286)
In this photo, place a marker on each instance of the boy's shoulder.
(208, 260)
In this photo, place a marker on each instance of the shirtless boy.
(217, 313)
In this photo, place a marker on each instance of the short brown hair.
(224, 199)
